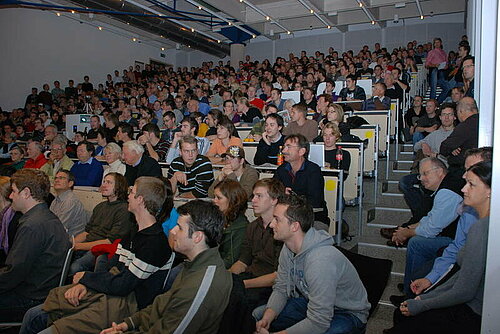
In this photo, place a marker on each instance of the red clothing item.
(37, 163)
(257, 102)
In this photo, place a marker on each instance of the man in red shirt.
(36, 159)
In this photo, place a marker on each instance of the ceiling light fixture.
(312, 11)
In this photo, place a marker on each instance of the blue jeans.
(13, 306)
(419, 251)
(295, 310)
(84, 263)
(34, 321)
(417, 136)
(436, 77)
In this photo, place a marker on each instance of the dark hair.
(226, 122)
(483, 171)
(169, 114)
(88, 146)
(301, 140)
(151, 127)
(299, 210)
(127, 129)
(469, 57)
(101, 132)
(192, 123)
(205, 217)
(277, 118)
(121, 186)
(352, 77)
(237, 198)
(71, 176)
(486, 153)
(216, 114)
(35, 180)
(275, 187)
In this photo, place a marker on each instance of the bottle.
(281, 157)
(339, 156)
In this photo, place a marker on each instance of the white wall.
(449, 27)
(39, 47)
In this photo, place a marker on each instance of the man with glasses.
(436, 228)
(66, 206)
(191, 173)
(189, 128)
(58, 159)
(303, 177)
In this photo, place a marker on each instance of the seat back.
(66, 265)
(373, 272)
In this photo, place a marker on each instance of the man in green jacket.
(200, 293)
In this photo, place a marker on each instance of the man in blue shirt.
(88, 171)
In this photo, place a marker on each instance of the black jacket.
(147, 167)
(34, 264)
(464, 136)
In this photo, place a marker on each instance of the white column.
(488, 72)
(237, 54)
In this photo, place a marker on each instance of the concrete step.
(380, 319)
(388, 216)
(391, 200)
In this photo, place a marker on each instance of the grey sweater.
(467, 285)
(434, 140)
(325, 277)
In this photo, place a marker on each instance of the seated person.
(190, 174)
(34, 263)
(236, 168)
(259, 253)
(248, 113)
(36, 158)
(189, 127)
(8, 142)
(223, 141)
(378, 101)
(455, 306)
(412, 115)
(468, 217)
(331, 135)
(137, 163)
(438, 226)
(112, 156)
(9, 219)
(101, 142)
(231, 199)
(169, 126)
(125, 133)
(58, 159)
(126, 117)
(155, 147)
(109, 221)
(200, 293)
(258, 128)
(137, 278)
(87, 171)
(300, 124)
(428, 123)
(317, 289)
(429, 146)
(276, 99)
(352, 92)
(302, 176)
(66, 205)
(17, 158)
(202, 126)
(271, 142)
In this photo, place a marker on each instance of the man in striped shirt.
(191, 173)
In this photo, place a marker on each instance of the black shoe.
(387, 232)
(397, 300)
(401, 287)
(393, 244)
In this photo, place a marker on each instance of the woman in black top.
(411, 117)
(331, 135)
